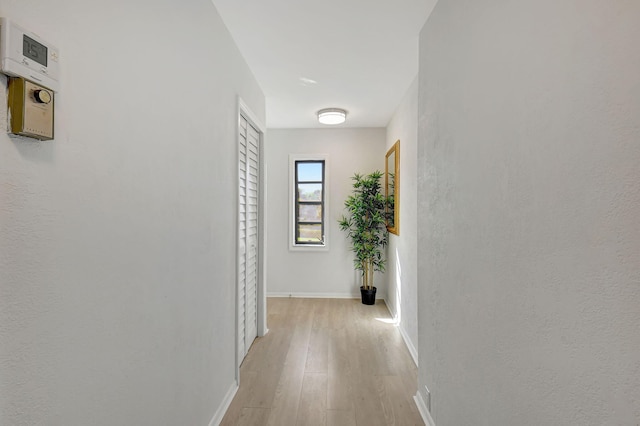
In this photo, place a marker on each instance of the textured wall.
(401, 276)
(328, 273)
(117, 272)
(529, 201)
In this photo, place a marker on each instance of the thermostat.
(24, 54)
(30, 109)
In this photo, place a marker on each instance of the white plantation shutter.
(248, 235)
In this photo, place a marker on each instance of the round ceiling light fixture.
(332, 116)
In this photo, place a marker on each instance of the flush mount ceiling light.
(332, 116)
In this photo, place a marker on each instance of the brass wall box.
(30, 109)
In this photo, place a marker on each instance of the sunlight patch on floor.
(388, 321)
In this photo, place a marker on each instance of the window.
(308, 204)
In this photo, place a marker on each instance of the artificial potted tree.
(366, 228)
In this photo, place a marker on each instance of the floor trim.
(321, 295)
(224, 406)
(422, 408)
(407, 341)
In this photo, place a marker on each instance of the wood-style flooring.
(332, 362)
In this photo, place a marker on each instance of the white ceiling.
(360, 55)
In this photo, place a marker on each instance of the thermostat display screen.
(34, 50)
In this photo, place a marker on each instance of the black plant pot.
(368, 296)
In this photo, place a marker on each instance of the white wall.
(117, 276)
(320, 273)
(402, 270)
(529, 231)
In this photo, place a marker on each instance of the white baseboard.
(321, 295)
(226, 402)
(422, 408)
(407, 341)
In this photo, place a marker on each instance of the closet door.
(249, 182)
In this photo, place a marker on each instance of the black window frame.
(298, 203)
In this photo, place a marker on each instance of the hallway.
(326, 362)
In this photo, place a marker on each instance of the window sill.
(309, 248)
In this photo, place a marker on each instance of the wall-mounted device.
(24, 54)
(30, 109)
(32, 66)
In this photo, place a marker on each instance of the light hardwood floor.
(326, 362)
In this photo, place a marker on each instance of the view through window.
(309, 202)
